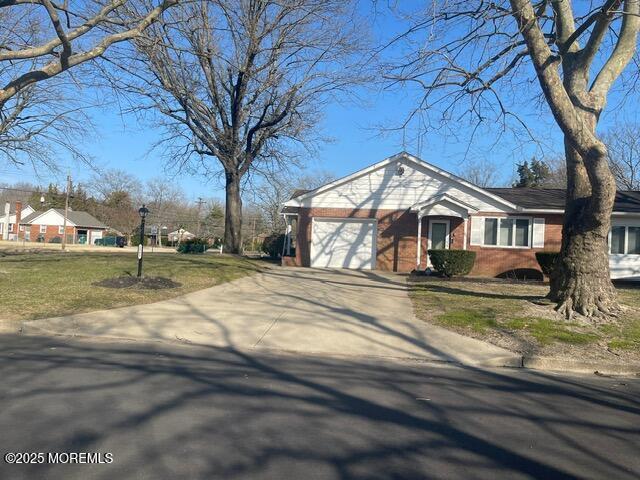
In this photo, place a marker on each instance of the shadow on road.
(205, 412)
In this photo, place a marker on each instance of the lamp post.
(142, 211)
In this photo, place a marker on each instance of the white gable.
(51, 217)
(28, 210)
(381, 187)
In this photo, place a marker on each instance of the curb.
(534, 362)
(579, 366)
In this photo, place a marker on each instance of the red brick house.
(48, 226)
(373, 219)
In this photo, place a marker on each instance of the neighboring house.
(10, 220)
(179, 235)
(48, 226)
(373, 218)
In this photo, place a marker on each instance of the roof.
(299, 191)
(80, 219)
(402, 156)
(538, 198)
(627, 201)
(30, 217)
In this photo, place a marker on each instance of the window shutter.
(538, 233)
(477, 230)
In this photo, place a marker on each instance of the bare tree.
(481, 173)
(238, 82)
(480, 57)
(268, 195)
(105, 182)
(623, 143)
(39, 41)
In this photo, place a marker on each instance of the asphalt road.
(172, 412)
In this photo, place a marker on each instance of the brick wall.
(396, 241)
(51, 233)
(493, 261)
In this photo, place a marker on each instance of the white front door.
(343, 243)
(438, 235)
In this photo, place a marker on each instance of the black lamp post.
(143, 211)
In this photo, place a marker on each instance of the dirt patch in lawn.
(150, 283)
(515, 316)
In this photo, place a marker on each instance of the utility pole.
(199, 202)
(66, 213)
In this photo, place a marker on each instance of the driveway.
(335, 312)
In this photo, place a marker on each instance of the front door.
(438, 234)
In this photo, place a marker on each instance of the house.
(179, 235)
(373, 219)
(9, 221)
(48, 226)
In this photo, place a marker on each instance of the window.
(490, 231)
(43, 229)
(617, 239)
(61, 229)
(624, 240)
(633, 239)
(507, 232)
(522, 232)
(11, 227)
(22, 228)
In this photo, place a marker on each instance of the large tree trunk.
(233, 214)
(581, 282)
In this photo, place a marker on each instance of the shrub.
(547, 261)
(193, 245)
(273, 245)
(450, 263)
(135, 240)
(56, 240)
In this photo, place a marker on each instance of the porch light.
(143, 211)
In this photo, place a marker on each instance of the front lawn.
(48, 284)
(509, 315)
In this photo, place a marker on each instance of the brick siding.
(397, 236)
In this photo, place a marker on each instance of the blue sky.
(353, 127)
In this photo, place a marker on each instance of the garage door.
(343, 243)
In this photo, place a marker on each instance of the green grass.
(477, 320)
(39, 285)
(486, 307)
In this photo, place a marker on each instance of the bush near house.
(547, 261)
(452, 263)
(56, 240)
(193, 245)
(273, 245)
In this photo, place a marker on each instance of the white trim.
(296, 202)
(443, 197)
(419, 244)
(464, 227)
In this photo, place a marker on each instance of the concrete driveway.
(336, 312)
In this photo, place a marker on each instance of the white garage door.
(343, 244)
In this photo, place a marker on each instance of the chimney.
(18, 216)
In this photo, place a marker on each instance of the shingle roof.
(627, 201)
(30, 217)
(298, 191)
(81, 219)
